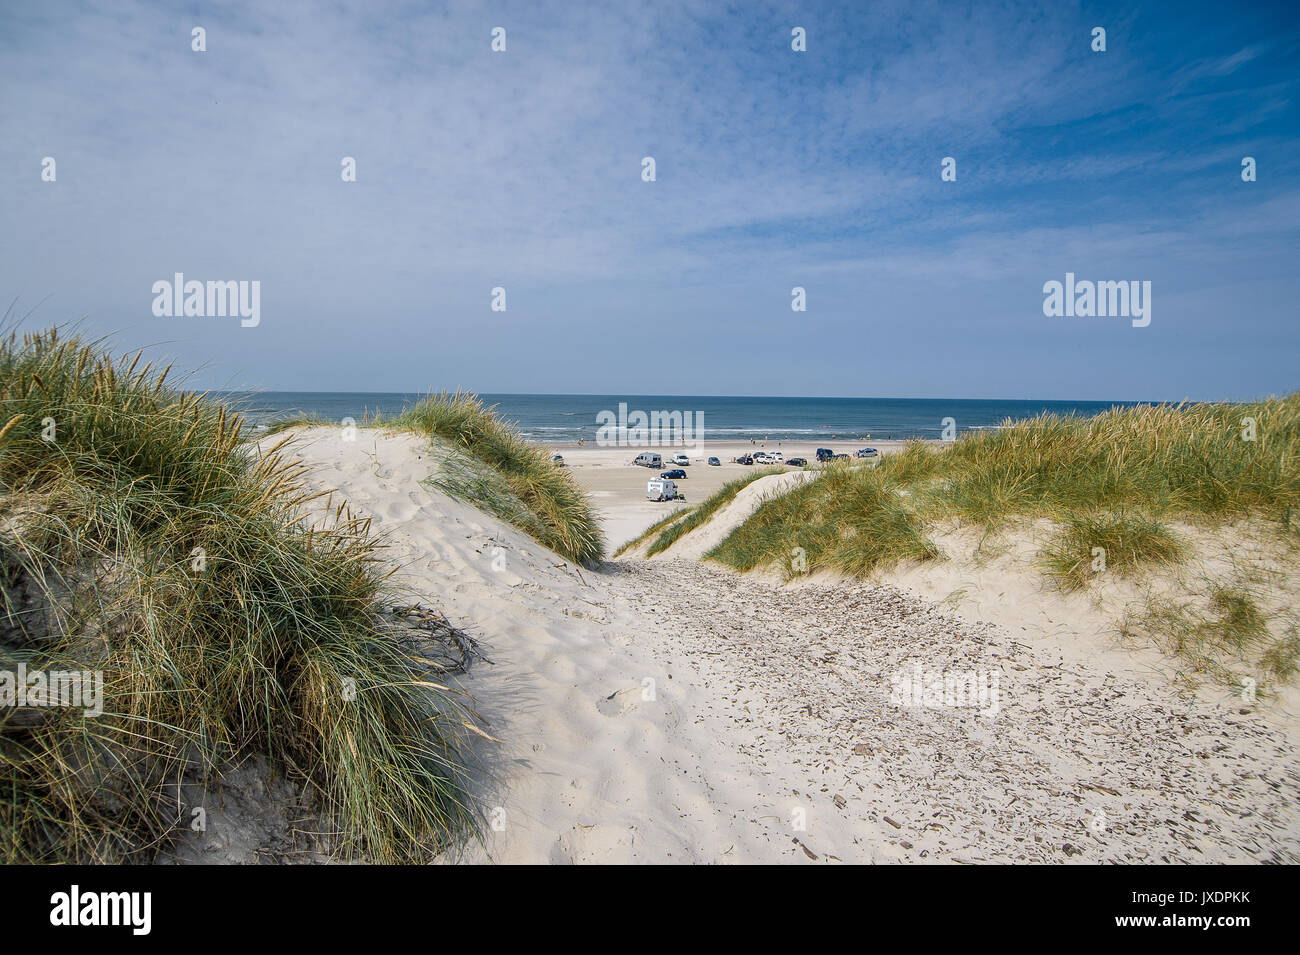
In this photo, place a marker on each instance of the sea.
(567, 419)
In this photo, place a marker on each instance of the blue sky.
(775, 169)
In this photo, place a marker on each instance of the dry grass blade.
(139, 540)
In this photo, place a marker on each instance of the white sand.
(590, 771)
(618, 489)
(770, 735)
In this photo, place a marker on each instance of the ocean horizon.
(565, 419)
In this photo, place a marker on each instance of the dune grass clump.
(139, 540)
(698, 515)
(1237, 617)
(1282, 659)
(1118, 543)
(1228, 626)
(1204, 460)
(468, 479)
(847, 520)
(561, 518)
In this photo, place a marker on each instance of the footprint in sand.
(446, 564)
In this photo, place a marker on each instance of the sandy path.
(1076, 763)
(674, 711)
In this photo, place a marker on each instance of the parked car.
(648, 459)
(660, 489)
(868, 452)
(762, 457)
(558, 461)
(798, 462)
(681, 461)
(825, 454)
(714, 463)
(744, 459)
(676, 474)
(840, 457)
(775, 457)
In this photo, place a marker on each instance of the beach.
(469, 652)
(528, 434)
(674, 711)
(619, 491)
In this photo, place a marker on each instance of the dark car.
(840, 457)
(715, 463)
(867, 452)
(744, 459)
(676, 474)
(825, 454)
(798, 462)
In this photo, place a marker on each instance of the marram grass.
(844, 520)
(1119, 543)
(559, 514)
(1230, 626)
(140, 539)
(1205, 462)
(1109, 483)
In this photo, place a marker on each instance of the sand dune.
(672, 711)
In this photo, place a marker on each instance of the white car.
(682, 461)
(775, 457)
(762, 457)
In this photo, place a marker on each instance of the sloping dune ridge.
(674, 711)
(698, 542)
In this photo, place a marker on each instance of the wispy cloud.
(522, 169)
